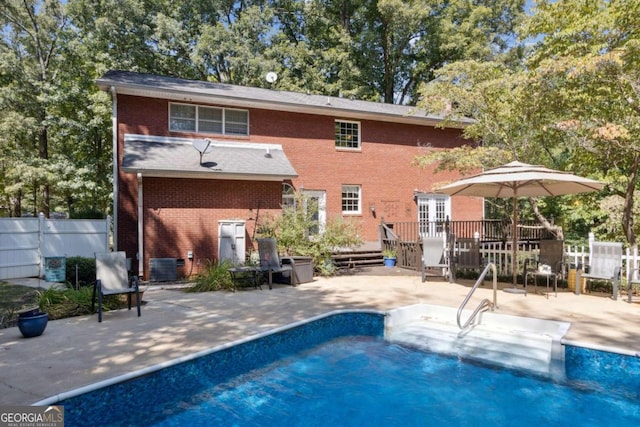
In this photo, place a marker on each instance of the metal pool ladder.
(485, 304)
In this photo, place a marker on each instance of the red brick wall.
(176, 211)
(182, 215)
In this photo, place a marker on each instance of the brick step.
(357, 258)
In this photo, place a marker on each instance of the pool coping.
(53, 399)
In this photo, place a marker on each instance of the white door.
(433, 210)
(319, 207)
(231, 240)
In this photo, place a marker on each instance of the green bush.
(296, 232)
(86, 270)
(215, 277)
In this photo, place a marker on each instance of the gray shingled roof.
(176, 157)
(242, 96)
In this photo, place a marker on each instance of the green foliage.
(86, 270)
(215, 277)
(63, 303)
(298, 233)
(571, 104)
(389, 253)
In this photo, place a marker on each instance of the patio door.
(319, 209)
(433, 210)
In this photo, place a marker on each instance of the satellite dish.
(271, 77)
(203, 146)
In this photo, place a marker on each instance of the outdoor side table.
(548, 275)
(246, 276)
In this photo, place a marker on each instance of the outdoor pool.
(338, 370)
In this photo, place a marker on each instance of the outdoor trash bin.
(302, 269)
(571, 281)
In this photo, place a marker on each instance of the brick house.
(195, 163)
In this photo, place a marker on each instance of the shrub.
(296, 233)
(86, 270)
(215, 277)
(62, 303)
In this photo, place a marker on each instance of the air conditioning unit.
(163, 269)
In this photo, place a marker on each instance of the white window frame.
(288, 196)
(196, 120)
(432, 208)
(348, 188)
(336, 135)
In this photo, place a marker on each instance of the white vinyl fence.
(502, 256)
(26, 242)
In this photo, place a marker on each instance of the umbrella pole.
(515, 237)
(514, 232)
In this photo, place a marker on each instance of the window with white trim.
(351, 199)
(288, 196)
(347, 134)
(201, 119)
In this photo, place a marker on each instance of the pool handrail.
(485, 303)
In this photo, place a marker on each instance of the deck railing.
(489, 230)
(404, 237)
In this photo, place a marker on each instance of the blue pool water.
(339, 371)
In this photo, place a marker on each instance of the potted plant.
(32, 322)
(389, 257)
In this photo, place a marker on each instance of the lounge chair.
(435, 256)
(270, 262)
(549, 265)
(605, 263)
(112, 278)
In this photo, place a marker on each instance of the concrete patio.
(79, 351)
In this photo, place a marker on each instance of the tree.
(400, 44)
(572, 105)
(586, 68)
(30, 52)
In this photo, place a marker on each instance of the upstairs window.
(347, 135)
(351, 199)
(200, 119)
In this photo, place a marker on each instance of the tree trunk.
(629, 201)
(43, 152)
(552, 228)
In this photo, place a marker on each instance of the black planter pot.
(32, 324)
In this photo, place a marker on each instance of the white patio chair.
(605, 263)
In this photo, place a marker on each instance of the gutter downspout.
(140, 254)
(114, 137)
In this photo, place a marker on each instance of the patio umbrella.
(518, 179)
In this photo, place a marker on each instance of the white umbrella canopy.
(518, 179)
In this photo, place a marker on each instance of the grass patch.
(16, 297)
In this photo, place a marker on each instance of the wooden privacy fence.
(25, 243)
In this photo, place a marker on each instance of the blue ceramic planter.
(389, 262)
(33, 326)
